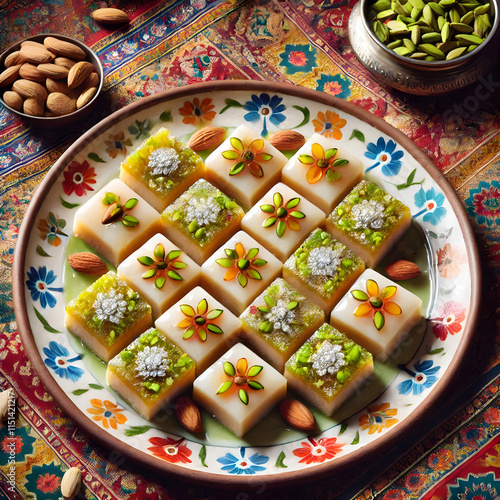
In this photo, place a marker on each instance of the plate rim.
(210, 478)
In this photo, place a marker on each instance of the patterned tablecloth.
(301, 42)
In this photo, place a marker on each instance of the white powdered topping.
(202, 210)
(163, 161)
(368, 213)
(324, 261)
(110, 307)
(281, 317)
(151, 362)
(328, 358)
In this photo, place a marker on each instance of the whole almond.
(206, 138)
(29, 71)
(87, 263)
(56, 86)
(110, 16)
(401, 270)
(53, 71)
(64, 48)
(71, 483)
(7, 398)
(85, 97)
(287, 140)
(28, 89)
(91, 81)
(33, 106)
(60, 104)
(9, 75)
(32, 43)
(188, 414)
(297, 415)
(13, 99)
(79, 73)
(66, 62)
(13, 59)
(36, 54)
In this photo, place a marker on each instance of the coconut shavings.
(368, 213)
(203, 210)
(110, 307)
(163, 161)
(151, 362)
(328, 359)
(324, 261)
(281, 317)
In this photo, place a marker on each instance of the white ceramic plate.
(272, 452)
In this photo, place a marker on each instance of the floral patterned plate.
(271, 452)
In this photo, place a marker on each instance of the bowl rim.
(53, 119)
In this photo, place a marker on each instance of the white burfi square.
(327, 369)
(116, 236)
(160, 272)
(281, 220)
(376, 313)
(278, 321)
(150, 373)
(239, 389)
(239, 270)
(318, 171)
(201, 326)
(245, 166)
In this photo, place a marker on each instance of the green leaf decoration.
(96, 386)
(79, 392)
(243, 396)
(265, 157)
(277, 200)
(359, 295)
(202, 306)
(110, 198)
(44, 322)
(292, 203)
(96, 158)
(232, 254)
(292, 305)
(225, 262)
(166, 116)
(146, 260)
(149, 274)
(67, 204)
(214, 313)
(306, 159)
(268, 209)
(266, 326)
(330, 153)
(237, 143)
(135, 430)
(174, 275)
(343, 428)
(357, 134)
(356, 438)
(40, 251)
(129, 221)
(252, 253)
(254, 274)
(203, 455)
(224, 387)
(270, 221)
(179, 265)
(378, 320)
(281, 228)
(437, 351)
(297, 215)
(410, 181)
(340, 162)
(256, 386)
(202, 334)
(255, 370)
(173, 254)
(230, 103)
(242, 280)
(188, 333)
(269, 301)
(333, 175)
(259, 262)
(237, 168)
(280, 460)
(214, 329)
(229, 368)
(230, 154)
(131, 203)
(306, 113)
(159, 282)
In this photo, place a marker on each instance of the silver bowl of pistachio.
(425, 47)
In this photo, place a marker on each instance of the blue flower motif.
(265, 108)
(242, 465)
(423, 377)
(336, 85)
(430, 201)
(385, 155)
(483, 486)
(38, 285)
(57, 360)
(298, 58)
(484, 203)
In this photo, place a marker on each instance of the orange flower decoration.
(376, 301)
(196, 113)
(247, 156)
(378, 418)
(329, 124)
(107, 413)
(322, 163)
(450, 261)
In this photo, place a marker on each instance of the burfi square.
(328, 368)
(108, 315)
(369, 221)
(245, 166)
(376, 313)
(160, 272)
(201, 326)
(323, 269)
(150, 373)
(238, 271)
(322, 171)
(282, 220)
(201, 219)
(279, 321)
(116, 221)
(161, 169)
(239, 389)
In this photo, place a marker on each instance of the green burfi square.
(327, 368)
(278, 321)
(323, 269)
(150, 372)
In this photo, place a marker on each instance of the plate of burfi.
(240, 282)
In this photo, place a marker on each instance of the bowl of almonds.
(425, 47)
(50, 79)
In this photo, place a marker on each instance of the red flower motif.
(78, 177)
(170, 450)
(318, 451)
(440, 460)
(415, 482)
(48, 483)
(450, 261)
(196, 113)
(12, 444)
(449, 320)
(492, 416)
